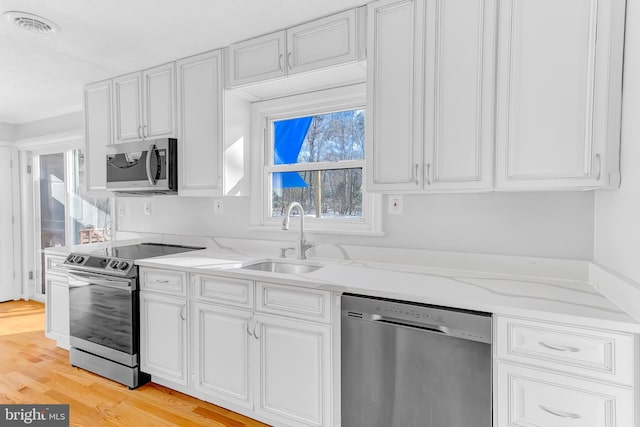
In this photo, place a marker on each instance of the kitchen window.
(312, 152)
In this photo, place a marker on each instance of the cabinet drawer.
(54, 265)
(224, 290)
(164, 281)
(531, 397)
(599, 354)
(304, 303)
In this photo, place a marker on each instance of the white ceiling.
(42, 76)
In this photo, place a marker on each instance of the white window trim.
(265, 112)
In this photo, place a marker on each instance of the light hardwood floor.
(34, 371)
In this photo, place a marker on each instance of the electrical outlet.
(217, 206)
(395, 205)
(147, 207)
(122, 211)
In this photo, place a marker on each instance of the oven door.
(142, 166)
(104, 316)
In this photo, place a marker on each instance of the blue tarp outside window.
(289, 136)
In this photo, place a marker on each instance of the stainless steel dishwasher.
(413, 365)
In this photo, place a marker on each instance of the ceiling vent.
(33, 23)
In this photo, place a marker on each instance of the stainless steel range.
(104, 310)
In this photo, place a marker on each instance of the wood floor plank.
(34, 371)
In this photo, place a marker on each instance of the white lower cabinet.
(163, 337)
(278, 368)
(57, 303)
(294, 360)
(223, 348)
(57, 310)
(533, 397)
(556, 375)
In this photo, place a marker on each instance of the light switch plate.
(147, 207)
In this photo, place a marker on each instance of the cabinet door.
(163, 337)
(97, 133)
(57, 310)
(394, 153)
(459, 94)
(257, 59)
(558, 76)
(530, 397)
(127, 108)
(159, 102)
(200, 110)
(223, 342)
(322, 43)
(294, 359)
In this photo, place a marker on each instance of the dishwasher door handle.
(410, 324)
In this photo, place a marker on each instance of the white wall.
(7, 132)
(617, 213)
(552, 224)
(71, 122)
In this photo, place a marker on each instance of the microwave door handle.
(151, 152)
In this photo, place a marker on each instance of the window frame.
(263, 114)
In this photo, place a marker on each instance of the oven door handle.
(91, 279)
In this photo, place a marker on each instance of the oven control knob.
(113, 264)
(123, 265)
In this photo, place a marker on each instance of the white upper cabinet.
(127, 94)
(430, 95)
(459, 95)
(559, 93)
(144, 104)
(97, 133)
(159, 102)
(200, 113)
(322, 43)
(435, 115)
(393, 151)
(257, 59)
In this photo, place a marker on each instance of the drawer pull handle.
(559, 347)
(162, 281)
(560, 414)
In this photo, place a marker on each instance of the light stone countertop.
(537, 288)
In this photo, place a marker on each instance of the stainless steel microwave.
(149, 166)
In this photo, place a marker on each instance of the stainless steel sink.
(282, 267)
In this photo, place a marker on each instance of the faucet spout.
(303, 245)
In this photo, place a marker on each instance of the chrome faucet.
(303, 245)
